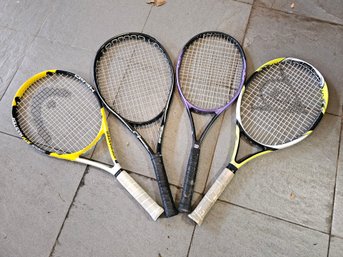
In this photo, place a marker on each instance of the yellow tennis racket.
(279, 106)
(60, 114)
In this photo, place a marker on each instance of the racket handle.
(163, 185)
(140, 195)
(211, 196)
(185, 204)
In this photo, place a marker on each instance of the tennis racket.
(60, 114)
(210, 73)
(280, 105)
(135, 80)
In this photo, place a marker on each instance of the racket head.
(134, 77)
(59, 114)
(196, 63)
(282, 103)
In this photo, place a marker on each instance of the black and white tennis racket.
(280, 105)
(135, 80)
(60, 114)
(210, 73)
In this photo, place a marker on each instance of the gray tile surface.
(88, 24)
(337, 226)
(35, 194)
(295, 184)
(12, 50)
(336, 247)
(327, 10)
(273, 34)
(43, 55)
(105, 222)
(23, 15)
(232, 231)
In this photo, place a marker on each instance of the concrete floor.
(288, 203)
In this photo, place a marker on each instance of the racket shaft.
(163, 184)
(140, 195)
(211, 196)
(189, 181)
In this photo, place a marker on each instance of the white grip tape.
(211, 196)
(140, 195)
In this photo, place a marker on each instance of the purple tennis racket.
(210, 73)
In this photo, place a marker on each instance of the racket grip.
(163, 185)
(185, 203)
(211, 196)
(140, 195)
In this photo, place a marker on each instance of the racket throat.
(114, 170)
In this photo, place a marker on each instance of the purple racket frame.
(192, 166)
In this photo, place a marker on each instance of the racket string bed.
(50, 116)
(134, 78)
(211, 71)
(297, 95)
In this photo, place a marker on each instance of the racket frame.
(227, 174)
(192, 165)
(155, 156)
(153, 209)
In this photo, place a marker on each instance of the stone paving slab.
(331, 10)
(337, 226)
(295, 184)
(25, 16)
(233, 231)
(88, 24)
(13, 47)
(336, 247)
(104, 221)
(35, 194)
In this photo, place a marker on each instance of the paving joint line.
(147, 18)
(215, 147)
(81, 183)
(274, 217)
(190, 243)
(247, 26)
(334, 188)
(308, 18)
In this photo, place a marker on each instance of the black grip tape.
(163, 184)
(185, 204)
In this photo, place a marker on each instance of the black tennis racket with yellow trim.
(60, 114)
(135, 80)
(280, 105)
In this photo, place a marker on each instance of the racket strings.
(281, 103)
(134, 78)
(58, 113)
(211, 71)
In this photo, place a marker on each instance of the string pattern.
(59, 113)
(134, 77)
(211, 71)
(282, 102)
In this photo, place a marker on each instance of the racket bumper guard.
(232, 168)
